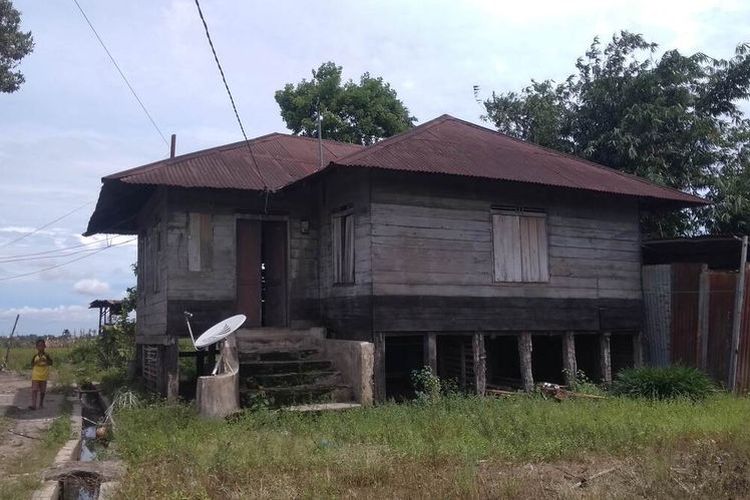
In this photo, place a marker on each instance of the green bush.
(663, 383)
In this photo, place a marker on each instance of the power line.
(26, 235)
(51, 255)
(47, 252)
(111, 58)
(229, 93)
(66, 262)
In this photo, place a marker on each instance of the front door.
(261, 272)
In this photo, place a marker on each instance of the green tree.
(360, 113)
(674, 120)
(14, 46)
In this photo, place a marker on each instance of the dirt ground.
(21, 426)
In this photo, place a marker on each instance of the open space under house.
(494, 261)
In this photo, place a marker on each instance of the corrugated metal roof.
(281, 159)
(448, 145)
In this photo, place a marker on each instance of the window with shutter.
(199, 242)
(342, 239)
(519, 240)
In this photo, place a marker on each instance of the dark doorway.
(261, 272)
(546, 359)
(403, 355)
(503, 362)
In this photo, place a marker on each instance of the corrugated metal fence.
(688, 320)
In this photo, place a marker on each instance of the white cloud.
(91, 286)
(62, 312)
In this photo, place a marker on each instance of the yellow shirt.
(40, 367)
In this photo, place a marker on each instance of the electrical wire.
(47, 252)
(26, 235)
(231, 98)
(125, 79)
(29, 258)
(66, 262)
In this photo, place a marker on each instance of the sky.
(74, 120)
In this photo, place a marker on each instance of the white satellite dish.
(220, 331)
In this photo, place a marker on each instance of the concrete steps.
(287, 367)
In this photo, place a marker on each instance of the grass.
(19, 359)
(22, 475)
(400, 450)
(663, 383)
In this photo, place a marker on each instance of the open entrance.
(262, 272)
(455, 360)
(622, 352)
(546, 359)
(403, 355)
(503, 362)
(588, 356)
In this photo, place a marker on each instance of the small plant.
(427, 385)
(584, 385)
(663, 383)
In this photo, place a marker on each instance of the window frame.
(523, 215)
(338, 259)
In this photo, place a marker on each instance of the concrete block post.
(605, 359)
(480, 366)
(379, 368)
(524, 354)
(430, 351)
(570, 366)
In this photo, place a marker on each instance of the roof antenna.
(320, 136)
(173, 145)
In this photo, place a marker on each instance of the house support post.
(430, 352)
(172, 370)
(637, 350)
(739, 306)
(524, 355)
(569, 358)
(379, 367)
(480, 366)
(605, 358)
(704, 294)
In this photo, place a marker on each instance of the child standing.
(40, 364)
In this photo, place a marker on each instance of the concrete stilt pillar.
(605, 360)
(570, 366)
(430, 351)
(480, 367)
(524, 354)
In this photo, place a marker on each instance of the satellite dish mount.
(217, 333)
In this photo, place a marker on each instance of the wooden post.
(605, 360)
(480, 366)
(638, 350)
(172, 145)
(704, 294)
(463, 365)
(172, 370)
(524, 354)
(570, 368)
(430, 352)
(739, 305)
(379, 367)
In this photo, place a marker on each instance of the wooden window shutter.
(506, 240)
(342, 244)
(520, 247)
(199, 242)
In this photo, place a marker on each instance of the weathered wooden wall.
(432, 258)
(347, 307)
(209, 290)
(151, 305)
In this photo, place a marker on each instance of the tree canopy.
(360, 113)
(673, 119)
(14, 46)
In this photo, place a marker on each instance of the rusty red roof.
(448, 145)
(281, 160)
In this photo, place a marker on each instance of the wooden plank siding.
(346, 308)
(152, 268)
(433, 264)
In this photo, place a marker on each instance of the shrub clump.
(663, 383)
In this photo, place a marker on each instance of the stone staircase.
(286, 368)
